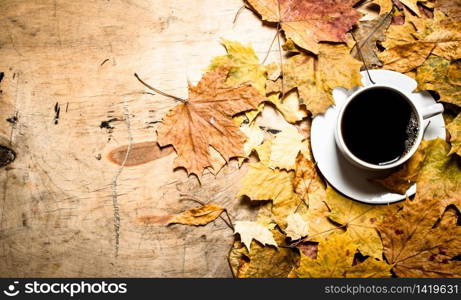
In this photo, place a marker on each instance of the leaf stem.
(159, 91)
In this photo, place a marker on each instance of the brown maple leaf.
(414, 240)
(205, 121)
(308, 22)
(368, 34)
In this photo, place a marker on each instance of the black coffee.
(379, 126)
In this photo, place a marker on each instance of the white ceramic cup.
(421, 113)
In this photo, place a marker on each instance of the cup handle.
(432, 110)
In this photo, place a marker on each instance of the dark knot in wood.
(7, 156)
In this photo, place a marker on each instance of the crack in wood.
(115, 204)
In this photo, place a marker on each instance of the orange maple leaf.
(205, 121)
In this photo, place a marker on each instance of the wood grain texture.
(68, 81)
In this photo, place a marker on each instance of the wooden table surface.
(69, 108)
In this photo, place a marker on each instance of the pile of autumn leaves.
(304, 228)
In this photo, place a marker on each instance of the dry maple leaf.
(454, 128)
(297, 227)
(386, 5)
(309, 186)
(414, 240)
(255, 137)
(409, 45)
(368, 34)
(195, 216)
(308, 22)
(360, 221)
(440, 176)
(335, 259)
(244, 65)
(418, 249)
(249, 231)
(438, 74)
(285, 148)
(264, 183)
(450, 7)
(262, 262)
(288, 106)
(315, 77)
(206, 120)
(401, 180)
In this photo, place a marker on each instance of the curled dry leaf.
(335, 259)
(249, 231)
(454, 128)
(434, 75)
(360, 221)
(195, 216)
(400, 181)
(198, 216)
(414, 240)
(315, 77)
(384, 5)
(206, 120)
(308, 22)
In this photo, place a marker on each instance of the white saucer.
(352, 181)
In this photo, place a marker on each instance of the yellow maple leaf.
(435, 75)
(454, 128)
(285, 148)
(440, 176)
(360, 221)
(244, 65)
(249, 231)
(335, 259)
(288, 106)
(255, 137)
(261, 261)
(315, 77)
(409, 45)
(297, 227)
(310, 188)
(264, 183)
